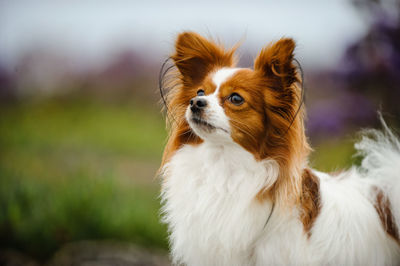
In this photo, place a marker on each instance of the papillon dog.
(236, 185)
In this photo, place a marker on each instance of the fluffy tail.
(381, 161)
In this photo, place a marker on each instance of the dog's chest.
(210, 204)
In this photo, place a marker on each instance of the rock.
(106, 253)
(15, 258)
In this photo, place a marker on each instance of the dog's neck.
(210, 192)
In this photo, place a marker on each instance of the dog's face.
(228, 105)
(252, 107)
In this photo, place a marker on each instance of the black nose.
(197, 104)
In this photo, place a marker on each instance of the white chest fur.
(210, 204)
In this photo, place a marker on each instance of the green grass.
(72, 171)
(80, 170)
(86, 127)
(40, 215)
(334, 154)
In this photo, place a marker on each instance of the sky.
(91, 32)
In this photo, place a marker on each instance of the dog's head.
(258, 108)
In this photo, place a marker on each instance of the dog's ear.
(196, 56)
(276, 61)
(275, 66)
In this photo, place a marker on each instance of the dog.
(236, 185)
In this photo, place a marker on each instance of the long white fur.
(211, 210)
(209, 203)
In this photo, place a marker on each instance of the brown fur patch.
(383, 208)
(310, 200)
(196, 56)
(247, 120)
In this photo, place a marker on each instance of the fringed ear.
(276, 60)
(275, 66)
(195, 56)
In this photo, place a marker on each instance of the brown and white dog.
(237, 189)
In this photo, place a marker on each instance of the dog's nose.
(197, 104)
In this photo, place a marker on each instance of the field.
(82, 170)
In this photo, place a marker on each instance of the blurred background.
(81, 131)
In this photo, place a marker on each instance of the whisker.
(241, 129)
(187, 131)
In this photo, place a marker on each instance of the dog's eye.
(200, 93)
(236, 99)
